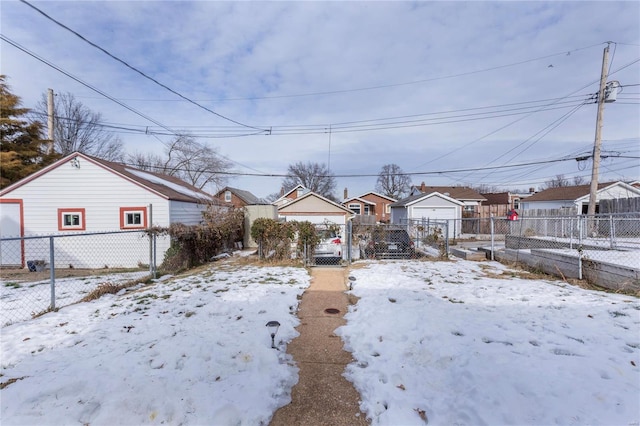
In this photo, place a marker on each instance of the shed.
(82, 194)
(316, 209)
(433, 206)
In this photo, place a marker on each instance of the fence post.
(612, 232)
(52, 273)
(492, 236)
(349, 232)
(446, 238)
(155, 256)
(571, 233)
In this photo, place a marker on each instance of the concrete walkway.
(321, 396)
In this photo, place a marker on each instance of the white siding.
(186, 213)
(10, 251)
(316, 219)
(548, 205)
(100, 192)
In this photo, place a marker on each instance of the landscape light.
(352, 279)
(273, 329)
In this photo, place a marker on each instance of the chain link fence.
(42, 273)
(603, 249)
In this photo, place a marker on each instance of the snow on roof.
(158, 180)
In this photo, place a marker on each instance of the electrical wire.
(360, 175)
(60, 24)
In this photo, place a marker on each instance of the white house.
(470, 198)
(81, 194)
(575, 199)
(294, 193)
(432, 206)
(314, 208)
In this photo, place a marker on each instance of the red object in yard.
(512, 215)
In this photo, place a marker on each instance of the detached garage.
(315, 209)
(433, 206)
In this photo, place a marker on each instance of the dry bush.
(196, 244)
(102, 289)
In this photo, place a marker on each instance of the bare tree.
(559, 181)
(78, 128)
(484, 188)
(313, 176)
(194, 162)
(392, 181)
(579, 180)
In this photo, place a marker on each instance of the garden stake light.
(273, 329)
(352, 279)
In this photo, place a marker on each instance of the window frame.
(228, 196)
(82, 219)
(356, 208)
(124, 211)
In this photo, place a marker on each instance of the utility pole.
(50, 120)
(591, 210)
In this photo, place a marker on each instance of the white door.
(10, 226)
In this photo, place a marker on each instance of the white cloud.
(220, 52)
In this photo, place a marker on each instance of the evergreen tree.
(22, 148)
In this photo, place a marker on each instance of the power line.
(421, 81)
(392, 122)
(71, 76)
(136, 69)
(519, 119)
(435, 172)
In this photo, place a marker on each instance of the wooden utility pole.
(50, 120)
(591, 210)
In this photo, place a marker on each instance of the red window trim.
(123, 215)
(83, 220)
(21, 207)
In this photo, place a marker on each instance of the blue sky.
(356, 85)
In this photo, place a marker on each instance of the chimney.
(423, 187)
(282, 191)
(532, 190)
(346, 193)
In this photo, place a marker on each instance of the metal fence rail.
(41, 273)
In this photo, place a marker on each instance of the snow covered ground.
(468, 343)
(444, 342)
(191, 351)
(20, 299)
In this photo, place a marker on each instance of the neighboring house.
(314, 208)
(237, 197)
(470, 198)
(83, 194)
(431, 206)
(499, 203)
(371, 204)
(292, 194)
(575, 199)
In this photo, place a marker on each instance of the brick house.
(237, 197)
(370, 204)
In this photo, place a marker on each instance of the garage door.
(11, 226)
(436, 213)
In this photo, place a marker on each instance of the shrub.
(193, 245)
(273, 237)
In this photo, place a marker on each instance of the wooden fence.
(620, 205)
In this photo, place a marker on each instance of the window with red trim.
(71, 220)
(133, 217)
